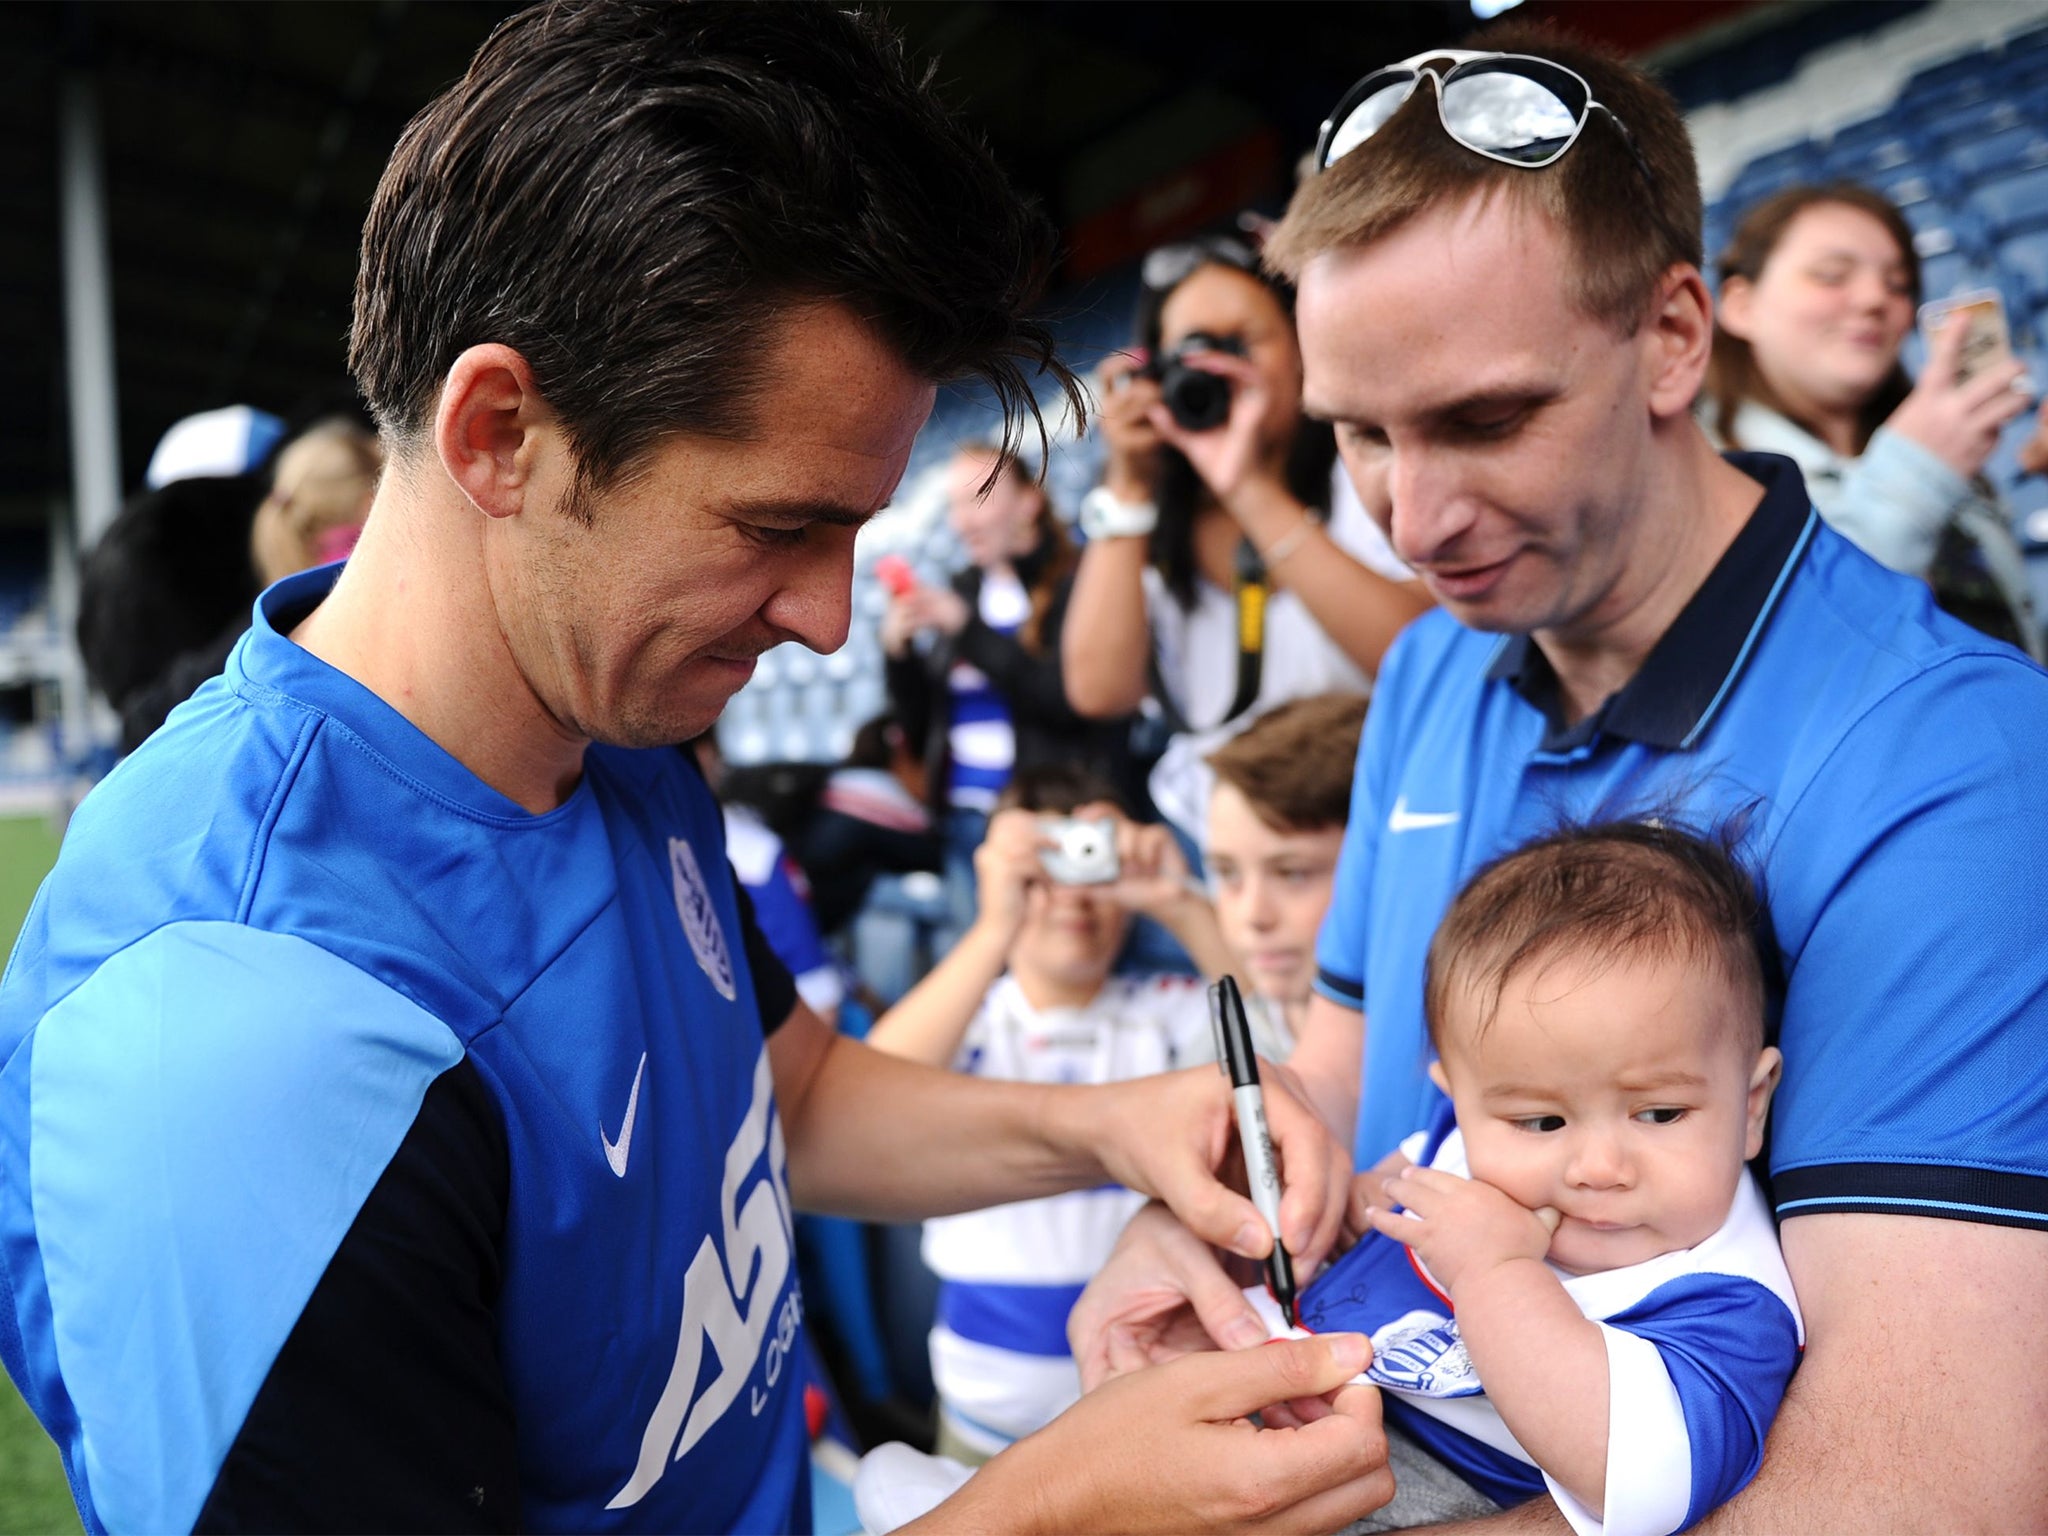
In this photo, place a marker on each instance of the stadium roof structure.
(232, 146)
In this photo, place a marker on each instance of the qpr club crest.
(700, 918)
(1421, 1353)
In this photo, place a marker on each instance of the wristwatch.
(1105, 516)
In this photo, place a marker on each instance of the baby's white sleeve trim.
(1649, 1453)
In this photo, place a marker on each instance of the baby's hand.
(1461, 1227)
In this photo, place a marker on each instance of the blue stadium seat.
(1996, 154)
(2015, 202)
(1953, 272)
(1971, 120)
(1962, 79)
(1927, 181)
(1800, 160)
(1872, 147)
(1939, 230)
(2032, 43)
(2026, 258)
(1753, 186)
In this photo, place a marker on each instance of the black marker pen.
(1261, 1170)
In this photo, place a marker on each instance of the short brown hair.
(1293, 765)
(1733, 378)
(632, 193)
(1624, 236)
(1643, 890)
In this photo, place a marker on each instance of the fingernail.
(1242, 1333)
(1250, 1240)
(1299, 1239)
(1349, 1351)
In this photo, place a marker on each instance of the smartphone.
(895, 573)
(1986, 343)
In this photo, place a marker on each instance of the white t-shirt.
(1197, 651)
(1033, 1256)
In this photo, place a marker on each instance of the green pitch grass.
(33, 1496)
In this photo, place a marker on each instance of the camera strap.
(1250, 588)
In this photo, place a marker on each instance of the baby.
(1576, 1286)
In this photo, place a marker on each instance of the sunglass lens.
(1367, 118)
(1500, 110)
(1167, 266)
(1171, 265)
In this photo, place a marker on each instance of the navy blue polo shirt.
(1893, 767)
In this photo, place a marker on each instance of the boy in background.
(1276, 823)
(1576, 1284)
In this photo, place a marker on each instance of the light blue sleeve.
(1907, 891)
(204, 1117)
(1893, 502)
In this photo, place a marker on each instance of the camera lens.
(1199, 401)
(1195, 398)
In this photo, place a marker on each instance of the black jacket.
(1048, 730)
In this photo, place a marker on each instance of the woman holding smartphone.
(1819, 289)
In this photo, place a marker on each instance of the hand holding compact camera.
(1079, 850)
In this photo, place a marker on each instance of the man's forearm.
(878, 1137)
(1327, 1061)
(928, 1023)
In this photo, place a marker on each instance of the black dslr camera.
(1198, 400)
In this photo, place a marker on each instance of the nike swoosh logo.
(1401, 819)
(617, 1153)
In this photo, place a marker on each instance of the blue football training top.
(1896, 763)
(378, 1155)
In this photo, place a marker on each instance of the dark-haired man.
(391, 1140)
(1501, 309)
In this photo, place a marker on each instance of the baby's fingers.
(1398, 1225)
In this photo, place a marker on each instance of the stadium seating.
(1960, 142)
(1962, 148)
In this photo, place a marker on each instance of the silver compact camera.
(1083, 851)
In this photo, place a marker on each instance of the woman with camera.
(1230, 564)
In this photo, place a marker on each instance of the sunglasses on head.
(1171, 265)
(1510, 107)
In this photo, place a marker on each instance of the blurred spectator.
(985, 697)
(1819, 289)
(847, 823)
(1230, 564)
(1276, 823)
(1027, 995)
(777, 888)
(231, 441)
(866, 843)
(319, 499)
(166, 593)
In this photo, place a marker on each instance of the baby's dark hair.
(1618, 890)
(1057, 789)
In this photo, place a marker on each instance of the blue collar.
(1674, 695)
